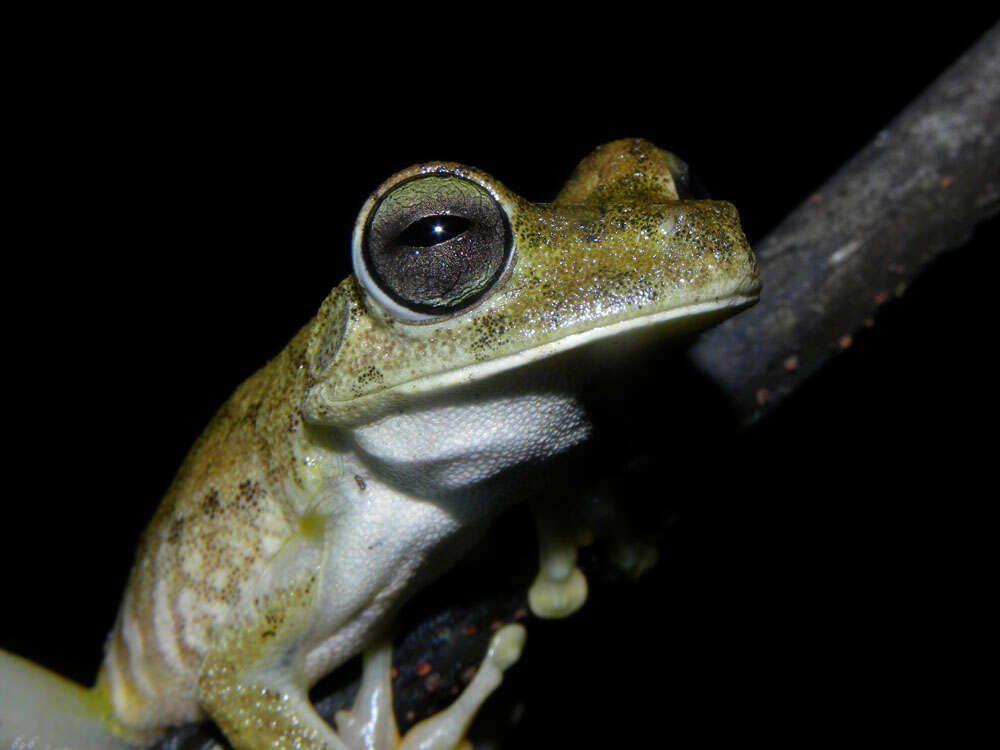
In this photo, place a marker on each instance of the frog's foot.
(560, 588)
(567, 523)
(370, 725)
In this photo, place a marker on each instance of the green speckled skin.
(616, 244)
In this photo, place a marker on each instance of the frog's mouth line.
(686, 318)
(695, 317)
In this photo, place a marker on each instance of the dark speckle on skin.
(247, 492)
(210, 505)
(175, 531)
(489, 334)
(371, 376)
(252, 411)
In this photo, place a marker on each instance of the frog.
(432, 390)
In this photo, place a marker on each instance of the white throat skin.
(418, 487)
(455, 451)
(475, 442)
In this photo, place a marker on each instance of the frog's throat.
(321, 409)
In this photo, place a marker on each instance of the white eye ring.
(373, 290)
(382, 294)
(368, 283)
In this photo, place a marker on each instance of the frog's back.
(223, 517)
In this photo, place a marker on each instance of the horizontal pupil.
(432, 230)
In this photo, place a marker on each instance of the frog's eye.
(685, 180)
(432, 246)
(689, 187)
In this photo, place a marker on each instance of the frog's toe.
(560, 588)
(370, 724)
(445, 730)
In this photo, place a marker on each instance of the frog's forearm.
(252, 683)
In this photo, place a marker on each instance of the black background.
(182, 189)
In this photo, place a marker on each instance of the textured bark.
(917, 190)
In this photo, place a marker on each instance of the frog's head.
(457, 279)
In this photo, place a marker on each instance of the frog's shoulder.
(247, 449)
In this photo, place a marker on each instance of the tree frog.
(431, 391)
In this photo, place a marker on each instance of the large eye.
(433, 245)
(687, 182)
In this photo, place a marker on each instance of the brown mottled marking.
(221, 518)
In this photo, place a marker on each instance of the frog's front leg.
(565, 524)
(560, 588)
(253, 681)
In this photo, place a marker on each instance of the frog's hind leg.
(370, 724)
(40, 709)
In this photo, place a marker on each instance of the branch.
(919, 189)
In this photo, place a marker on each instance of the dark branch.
(918, 189)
